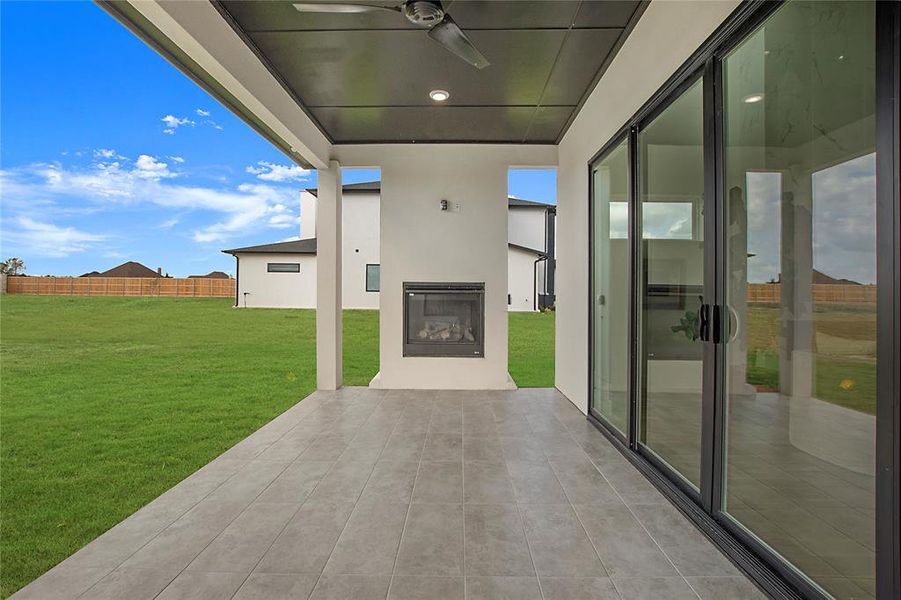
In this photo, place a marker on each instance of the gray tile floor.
(364, 494)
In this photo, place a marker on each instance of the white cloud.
(104, 186)
(169, 223)
(202, 113)
(173, 123)
(39, 238)
(148, 167)
(268, 171)
(107, 153)
(176, 159)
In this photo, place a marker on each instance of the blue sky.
(108, 153)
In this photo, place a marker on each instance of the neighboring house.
(128, 269)
(280, 275)
(531, 233)
(211, 275)
(260, 284)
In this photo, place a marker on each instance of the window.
(283, 267)
(372, 278)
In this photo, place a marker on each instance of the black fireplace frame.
(433, 349)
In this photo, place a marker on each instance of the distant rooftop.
(126, 269)
(307, 246)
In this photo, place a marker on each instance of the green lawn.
(844, 354)
(107, 402)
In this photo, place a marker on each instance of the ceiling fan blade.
(452, 37)
(343, 7)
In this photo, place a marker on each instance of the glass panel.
(283, 267)
(610, 296)
(372, 278)
(801, 285)
(671, 190)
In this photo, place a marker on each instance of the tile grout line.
(360, 495)
(463, 491)
(642, 525)
(409, 506)
(522, 521)
(190, 508)
(572, 507)
(302, 504)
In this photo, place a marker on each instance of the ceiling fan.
(428, 14)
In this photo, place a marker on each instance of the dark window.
(372, 278)
(283, 267)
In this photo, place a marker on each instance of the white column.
(329, 368)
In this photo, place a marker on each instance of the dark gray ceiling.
(366, 77)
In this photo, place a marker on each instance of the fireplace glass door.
(444, 319)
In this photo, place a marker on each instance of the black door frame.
(771, 573)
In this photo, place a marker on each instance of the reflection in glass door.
(800, 174)
(610, 293)
(671, 193)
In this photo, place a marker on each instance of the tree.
(12, 266)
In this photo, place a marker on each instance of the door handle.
(734, 330)
(716, 330)
(704, 322)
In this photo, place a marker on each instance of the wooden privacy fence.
(194, 287)
(199, 287)
(823, 293)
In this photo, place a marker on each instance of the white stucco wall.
(276, 290)
(360, 246)
(526, 227)
(307, 215)
(419, 242)
(520, 277)
(665, 36)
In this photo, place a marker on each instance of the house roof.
(527, 249)
(522, 203)
(211, 275)
(365, 186)
(128, 269)
(307, 246)
(376, 186)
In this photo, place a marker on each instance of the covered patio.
(362, 493)
(441, 480)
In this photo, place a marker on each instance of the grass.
(531, 349)
(107, 402)
(844, 356)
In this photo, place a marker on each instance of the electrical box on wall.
(448, 206)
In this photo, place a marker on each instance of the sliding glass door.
(671, 282)
(800, 180)
(736, 317)
(610, 286)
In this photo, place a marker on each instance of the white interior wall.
(276, 290)
(665, 36)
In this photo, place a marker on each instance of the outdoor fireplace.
(444, 319)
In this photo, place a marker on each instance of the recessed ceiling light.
(439, 95)
(752, 99)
